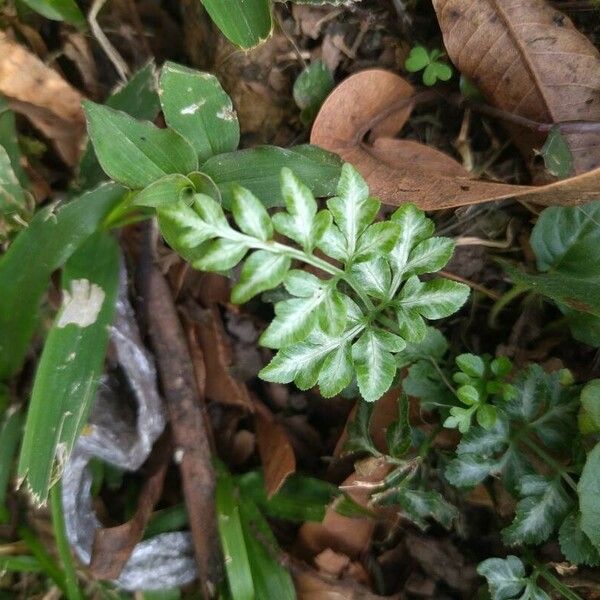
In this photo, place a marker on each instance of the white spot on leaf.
(192, 108)
(81, 304)
(227, 113)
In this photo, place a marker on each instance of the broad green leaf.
(51, 237)
(485, 442)
(298, 223)
(136, 153)
(352, 208)
(246, 23)
(138, 98)
(270, 578)
(250, 214)
(433, 299)
(300, 498)
(424, 382)
(71, 362)
(375, 366)
(588, 490)
(59, 10)
(429, 256)
(575, 544)
(311, 88)
(373, 276)
(505, 576)
(337, 371)
(196, 106)
(415, 227)
(557, 155)
(411, 324)
(377, 239)
(169, 189)
(539, 513)
(231, 533)
(259, 169)
(9, 141)
(584, 328)
(261, 271)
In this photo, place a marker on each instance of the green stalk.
(62, 543)
(46, 562)
(504, 300)
(557, 584)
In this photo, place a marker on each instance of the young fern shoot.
(350, 314)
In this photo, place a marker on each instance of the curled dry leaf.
(43, 96)
(527, 58)
(276, 452)
(346, 535)
(221, 386)
(400, 171)
(113, 546)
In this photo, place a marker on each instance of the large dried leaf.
(527, 58)
(43, 96)
(400, 171)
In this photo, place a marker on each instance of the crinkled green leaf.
(539, 513)
(415, 227)
(136, 153)
(575, 544)
(420, 505)
(261, 271)
(196, 106)
(505, 576)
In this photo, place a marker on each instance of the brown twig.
(190, 434)
(475, 286)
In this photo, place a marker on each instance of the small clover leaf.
(420, 59)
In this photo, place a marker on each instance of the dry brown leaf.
(43, 96)
(527, 58)
(346, 535)
(113, 546)
(429, 178)
(311, 585)
(221, 386)
(276, 452)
